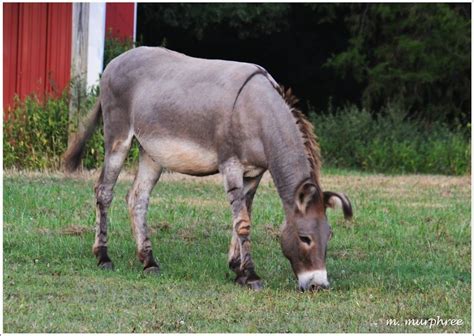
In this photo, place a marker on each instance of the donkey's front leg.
(240, 260)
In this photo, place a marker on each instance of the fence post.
(78, 89)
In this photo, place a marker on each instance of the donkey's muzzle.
(313, 280)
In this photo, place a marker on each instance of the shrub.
(391, 143)
(36, 134)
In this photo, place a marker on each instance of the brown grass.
(328, 181)
(272, 231)
(199, 202)
(158, 227)
(76, 230)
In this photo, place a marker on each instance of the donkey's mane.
(306, 128)
(309, 138)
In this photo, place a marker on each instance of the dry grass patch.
(76, 230)
(193, 201)
(158, 227)
(272, 231)
(427, 205)
(43, 231)
(70, 230)
(395, 183)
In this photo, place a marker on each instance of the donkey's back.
(161, 80)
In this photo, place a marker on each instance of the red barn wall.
(10, 51)
(120, 19)
(36, 49)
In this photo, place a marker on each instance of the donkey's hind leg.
(115, 155)
(240, 192)
(137, 198)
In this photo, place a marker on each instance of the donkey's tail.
(73, 155)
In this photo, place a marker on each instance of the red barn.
(37, 44)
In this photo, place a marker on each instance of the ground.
(405, 255)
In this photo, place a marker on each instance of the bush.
(389, 143)
(36, 134)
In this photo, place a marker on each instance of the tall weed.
(35, 134)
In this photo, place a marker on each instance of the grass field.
(406, 255)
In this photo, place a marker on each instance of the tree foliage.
(413, 55)
(417, 55)
(199, 20)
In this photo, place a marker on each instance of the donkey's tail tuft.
(73, 155)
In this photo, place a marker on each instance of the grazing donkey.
(200, 117)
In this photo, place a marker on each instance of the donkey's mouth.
(314, 288)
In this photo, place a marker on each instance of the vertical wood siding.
(36, 49)
(10, 51)
(120, 19)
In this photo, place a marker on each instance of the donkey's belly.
(182, 156)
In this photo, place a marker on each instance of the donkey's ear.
(335, 200)
(304, 194)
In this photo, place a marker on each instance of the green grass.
(405, 255)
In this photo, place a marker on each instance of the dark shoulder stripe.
(259, 71)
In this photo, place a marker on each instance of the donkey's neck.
(286, 157)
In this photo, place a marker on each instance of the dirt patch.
(159, 227)
(191, 233)
(76, 230)
(194, 201)
(71, 230)
(346, 254)
(271, 231)
(426, 205)
(43, 231)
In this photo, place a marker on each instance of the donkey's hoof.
(152, 270)
(256, 285)
(106, 265)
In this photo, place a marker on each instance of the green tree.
(417, 55)
(249, 20)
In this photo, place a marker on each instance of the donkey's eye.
(306, 240)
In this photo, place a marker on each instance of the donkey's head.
(306, 233)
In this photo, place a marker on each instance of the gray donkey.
(200, 117)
